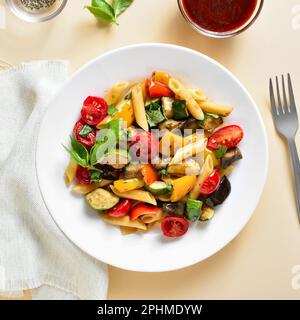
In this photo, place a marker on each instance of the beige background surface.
(258, 263)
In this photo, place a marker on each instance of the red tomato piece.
(83, 175)
(211, 183)
(94, 110)
(89, 140)
(142, 209)
(144, 146)
(229, 137)
(157, 89)
(120, 209)
(174, 226)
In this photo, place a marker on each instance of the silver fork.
(285, 118)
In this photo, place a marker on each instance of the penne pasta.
(198, 95)
(123, 221)
(70, 172)
(213, 107)
(128, 230)
(85, 189)
(139, 195)
(206, 170)
(139, 107)
(185, 94)
(227, 171)
(150, 218)
(170, 143)
(192, 138)
(116, 91)
(164, 198)
(188, 151)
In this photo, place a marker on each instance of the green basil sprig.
(220, 152)
(78, 153)
(107, 12)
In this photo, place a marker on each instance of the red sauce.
(219, 15)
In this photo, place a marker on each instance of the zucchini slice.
(101, 199)
(159, 188)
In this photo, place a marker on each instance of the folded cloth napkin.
(34, 253)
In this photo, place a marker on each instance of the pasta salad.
(153, 152)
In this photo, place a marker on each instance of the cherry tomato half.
(142, 209)
(88, 140)
(120, 209)
(157, 89)
(144, 146)
(229, 137)
(94, 110)
(211, 183)
(174, 226)
(83, 175)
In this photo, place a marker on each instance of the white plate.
(150, 252)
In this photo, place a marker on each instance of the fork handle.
(296, 169)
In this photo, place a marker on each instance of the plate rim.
(242, 87)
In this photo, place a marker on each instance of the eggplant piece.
(211, 123)
(170, 125)
(174, 209)
(133, 170)
(108, 172)
(230, 157)
(191, 124)
(220, 195)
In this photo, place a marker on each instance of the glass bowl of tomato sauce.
(220, 18)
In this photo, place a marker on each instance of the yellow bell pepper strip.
(181, 187)
(215, 160)
(139, 195)
(123, 185)
(125, 112)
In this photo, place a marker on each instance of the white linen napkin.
(34, 253)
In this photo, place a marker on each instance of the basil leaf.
(78, 153)
(112, 110)
(86, 129)
(95, 175)
(120, 6)
(219, 153)
(102, 10)
(163, 172)
(154, 113)
(213, 115)
(207, 116)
